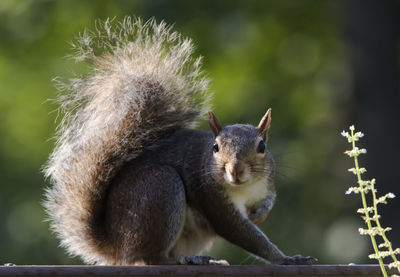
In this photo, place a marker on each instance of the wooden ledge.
(173, 270)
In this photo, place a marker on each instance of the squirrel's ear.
(263, 126)
(214, 123)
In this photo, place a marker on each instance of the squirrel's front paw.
(200, 260)
(257, 215)
(297, 260)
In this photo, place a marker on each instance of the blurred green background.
(320, 66)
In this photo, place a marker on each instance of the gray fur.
(145, 214)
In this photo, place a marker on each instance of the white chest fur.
(248, 194)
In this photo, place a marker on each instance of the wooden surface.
(315, 270)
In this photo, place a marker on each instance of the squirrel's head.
(239, 151)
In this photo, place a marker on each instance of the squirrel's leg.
(241, 231)
(145, 213)
(197, 236)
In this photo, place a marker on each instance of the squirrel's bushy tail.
(144, 82)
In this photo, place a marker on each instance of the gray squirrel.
(132, 181)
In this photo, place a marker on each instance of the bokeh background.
(320, 65)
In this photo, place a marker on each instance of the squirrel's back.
(144, 84)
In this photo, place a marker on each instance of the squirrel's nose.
(233, 173)
(236, 170)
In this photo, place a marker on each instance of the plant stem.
(383, 235)
(364, 202)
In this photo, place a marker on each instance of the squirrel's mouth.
(236, 181)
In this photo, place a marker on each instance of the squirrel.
(132, 181)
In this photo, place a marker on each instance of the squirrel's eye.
(261, 147)
(215, 147)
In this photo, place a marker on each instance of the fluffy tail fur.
(144, 82)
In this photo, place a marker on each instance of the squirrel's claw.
(218, 262)
(200, 260)
(298, 260)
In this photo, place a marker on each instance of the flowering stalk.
(371, 215)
